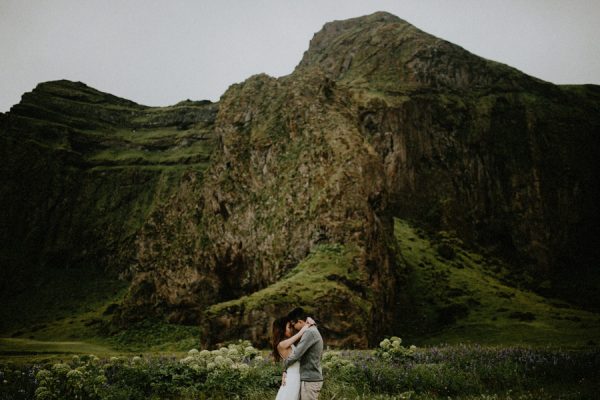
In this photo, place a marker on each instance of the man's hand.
(283, 376)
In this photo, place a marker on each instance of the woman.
(282, 340)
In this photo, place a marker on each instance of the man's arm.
(306, 342)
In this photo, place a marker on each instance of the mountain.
(82, 171)
(288, 191)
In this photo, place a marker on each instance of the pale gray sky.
(160, 52)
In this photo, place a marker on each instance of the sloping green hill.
(454, 294)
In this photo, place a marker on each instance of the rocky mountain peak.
(75, 91)
(384, 52)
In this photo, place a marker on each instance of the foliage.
(453, 293)
(239, 371)
(392, 349)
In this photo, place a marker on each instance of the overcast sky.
(160, 52)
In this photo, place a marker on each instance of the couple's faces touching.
(291, 328)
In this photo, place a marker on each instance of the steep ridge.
(293, 173)
(381, 52)
(506, 160)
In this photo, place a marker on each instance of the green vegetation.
(167, 145)
(240, 371)
(63, 305)
(324, 277)
(451, 295)
(455, 295)
(155, 336)
(316, 277)
(24, 347)
(84, 171)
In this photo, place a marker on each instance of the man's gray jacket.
(309, 352)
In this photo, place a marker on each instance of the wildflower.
(42, 393)
(205, 353)
(186, 360)
(61, 369)
(196, 367)
(232, 352)
(42, 376)
(228, 362)
(74, 375)
(250, 351)
(193, 352)
(136, 360)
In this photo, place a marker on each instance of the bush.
(391, 371)
(392, 350)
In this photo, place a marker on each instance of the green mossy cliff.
(226, 215)
(467, 144)
(83, 173)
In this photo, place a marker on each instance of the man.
(309, 352)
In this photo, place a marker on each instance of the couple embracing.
(297, 341)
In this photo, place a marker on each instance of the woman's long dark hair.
(277, 335)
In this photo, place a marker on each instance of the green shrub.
(239, 371)
(392, 349)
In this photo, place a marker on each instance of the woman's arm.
(287, 343)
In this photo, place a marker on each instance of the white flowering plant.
(391, 349)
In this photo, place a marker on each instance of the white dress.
(291, 390)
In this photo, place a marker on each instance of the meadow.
(240, 371)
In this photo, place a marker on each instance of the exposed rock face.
(381, 52)
(472, 145)
(295, 205)
(293, 172)
(451, 140)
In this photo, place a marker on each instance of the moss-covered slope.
(454, 294)
(82, 171)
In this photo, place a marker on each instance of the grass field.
(455, 295)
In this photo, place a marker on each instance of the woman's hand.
(309, 322)
(304, 328)
(283, 377)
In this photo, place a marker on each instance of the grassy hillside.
(453, 294)
(83, 172)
